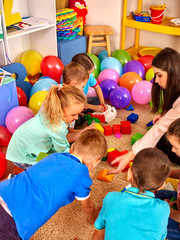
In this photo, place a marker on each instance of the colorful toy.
(122, 55)
(133, 117)
(103, 175)
(111, 62)
(120, 97)
(113, 155)
(109, 150)
(99, 127)
(107, 86)
(135, 66)
(174, 182)
(3, 164)
(157, 12)
(109, 74)
(37, 100)
(129, 79)
(141, 92)
(118, 135)
(109, 114)
(80, 7)
(22, 99)
(5, 136)
(136, 137)
(107, 130)
(125, 127)
(130, 108)
(116, 128)
(41, 155)
(149, 124)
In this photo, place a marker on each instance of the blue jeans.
(173, 231)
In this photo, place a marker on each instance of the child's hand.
(98, 108)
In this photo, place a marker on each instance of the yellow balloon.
(37, 100)
(31, 60)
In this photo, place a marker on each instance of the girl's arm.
(96, 108)
(98, 234)
(99, 94)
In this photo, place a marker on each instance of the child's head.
(166, 79)
(63, 104)
(173, 135)
(150, 169)
(90, 147)
(85, 61)
(76, 75)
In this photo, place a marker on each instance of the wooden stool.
(99, 36)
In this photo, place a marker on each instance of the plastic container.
(141, 18)
(157, 13)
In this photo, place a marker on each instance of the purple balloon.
(120, 97)
(135, 66)
(107, 86)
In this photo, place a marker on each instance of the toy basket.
(141, 16)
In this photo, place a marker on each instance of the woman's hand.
(156, 119)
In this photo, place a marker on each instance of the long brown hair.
(57, 100)
(167, 60)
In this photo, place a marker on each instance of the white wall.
(109, 12)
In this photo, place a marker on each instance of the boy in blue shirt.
(135, 213)
(31, 198)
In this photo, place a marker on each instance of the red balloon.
(52, 66)
(3, 164)
(21, 97)
(5, 136)
(146, 60)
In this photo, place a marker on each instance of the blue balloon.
(107, 86)
(120, 97)
(111, 62)
(102, 55)
(44, 83)
(135, 66)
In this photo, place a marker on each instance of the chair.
(99, 36)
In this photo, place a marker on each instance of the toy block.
(116, 128)
(130, 108)
(131, 163)
(133, 117)
(107, 130)
(118, 135)
(109, 150)
(99, 127)
(136, 137)
(127, 167)
(149, 124)
(114, 154)
(174, 182)
(125, 127)
(174, 205)
(103, 175)
(109, 114)
(41, 156)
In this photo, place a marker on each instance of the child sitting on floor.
(135, 213)
(31, 198)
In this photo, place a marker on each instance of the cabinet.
(42, 39)
(128, 21)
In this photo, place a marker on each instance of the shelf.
(164, 27)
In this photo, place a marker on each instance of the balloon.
(135, 66)
(5, 136)
(129, 79)
(95, 73)
(108, 73)
(107, 86)
(31, 60)
(96, 62)
(120, 97)
(122, 55)
(44, 83)
(17, 116)
(21, 97)
(111, 62)
(141, 92)
(149, 74)
(52, 67)
(3, 164)
(102, 55)
(91, 92)
(146, 60)
(37, 100)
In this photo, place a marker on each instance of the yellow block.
(99, 127)
(9, 17)
(174, 182)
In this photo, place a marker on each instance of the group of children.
(29, 199)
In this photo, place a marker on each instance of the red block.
(125, 127)
(116, 128)
(107, 130)
(114, 154)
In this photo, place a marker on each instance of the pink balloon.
(18, 116)
(91, 92)
(141, 92)
(108, 73)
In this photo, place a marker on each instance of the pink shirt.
(158, 130)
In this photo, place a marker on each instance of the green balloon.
(122, 55)
(149, 74)
(96, 61)
(95, 73)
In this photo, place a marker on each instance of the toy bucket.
(157, 15)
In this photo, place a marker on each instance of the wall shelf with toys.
(128, 21)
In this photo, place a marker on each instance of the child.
(46, 132)
(135, 213)
(165, 95)
(173, 134)
(94, 103)
(35, 195)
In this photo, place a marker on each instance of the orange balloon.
(129, 79)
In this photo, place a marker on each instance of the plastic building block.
(149, 124)
(109, 150)
(133, 117)
(130, 108)
(125, 127)
(93, 119)
(41, 156)
(174, 182)
(107, 130)
(103, 175)
(136, 137)
(174, 205)
(118, 135)
(116, 128)
(101, 117)
(99, 127)
(114, 154)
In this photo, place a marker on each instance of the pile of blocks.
(123, 128)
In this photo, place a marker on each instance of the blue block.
(68, 48)
(149, 124)
(133, 117)
(130, 108)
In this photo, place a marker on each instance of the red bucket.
(157, 15)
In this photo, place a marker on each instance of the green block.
(136, 137)
(41, 156)
(174, 206)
